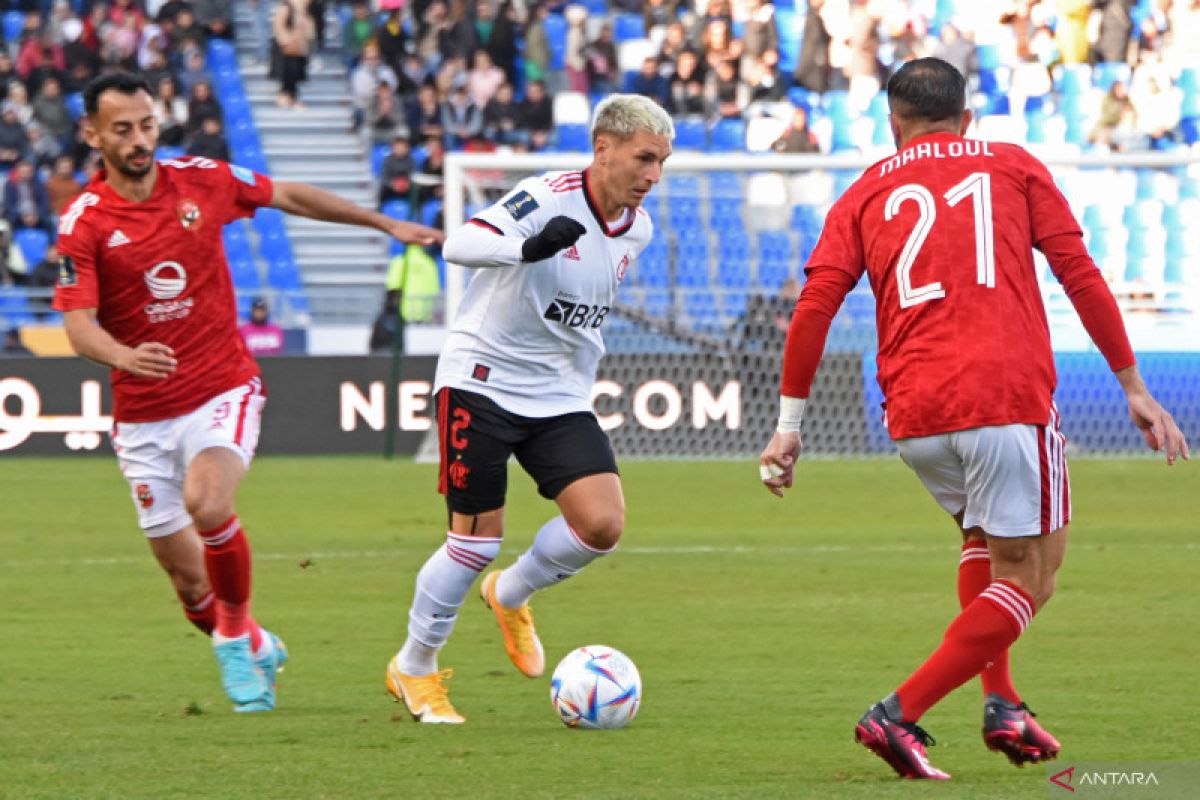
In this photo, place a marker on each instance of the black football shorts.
(476, 438)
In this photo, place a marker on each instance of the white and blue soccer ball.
(596, 687)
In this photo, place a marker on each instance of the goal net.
(695, 340)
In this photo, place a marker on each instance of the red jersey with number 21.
(945, 231)
(156, 272)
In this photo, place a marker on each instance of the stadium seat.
(1072, 78)
(14, 25)
(572, 108)
(683, 214)
(653, 267)
(397, 209)
(790, 26)
(167, 153)
(574, 138)
(632, 53)
(803, 98)
(989, 56)
(1190, 128)
(701, 308)
(33, 243)
(657, 303)
(555, 26)
(74, 103)
(245, 274)
(1144, 214)
(808, 218)
(1105, 74)
(683, 186)
(728, 135)
(429, 212)
(733, 271)
(378, 153)
(628, 26)
(282, 273)
(690, 134)
(691, 263)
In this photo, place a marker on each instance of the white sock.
(442, 585)
(557, 553)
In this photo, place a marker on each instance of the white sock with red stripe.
(442, 585)
(557, 553)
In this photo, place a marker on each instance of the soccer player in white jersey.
(515, 378)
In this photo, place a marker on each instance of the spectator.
(80, 61)
(316, 12)
(14, 144)
(687, 86)
(262, 337)
(959, 51)
(293, 33)
(483, 79)
(385, 117)
(1185, 33)
(496, 34)
(660, 12)
(50, 109)
(537, 115)
(1158, 112)
(720, 46)
(13, 269)
(674, 43)
(434, 34)
(19, 98)
(412, 76)
(798, 138)
(451, 73)
(1116, 29)
(62, 185)
(600, 57)
(366, 79)
(357, 33)
(121, 10)
(395, 178)
(650, 82)
(760, 34)
(429, 177)
(187, 30)
(425, 114)
(764, 324)
(502, 118)
(574, 59)
(42, 277)
(727, 96)
(202, 104)
(155, 66)
(537, 46)
(762, 80)
(172, 114)
(462, 120)
(1071, 31)
(261, 24)
(194, 71)
(25, 202)
(209, 141)
(13, 346)
(215, 16)
(8, 73)
(386, 327)
(43, 148)
(37, 58)
(95, 26)
(392, 40)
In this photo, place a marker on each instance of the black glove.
(559, 234)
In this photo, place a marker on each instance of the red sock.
(227, 555)
(986, 627)
(203, 614)
(975, 575)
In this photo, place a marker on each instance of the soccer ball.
(596, 687)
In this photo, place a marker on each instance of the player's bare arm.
(1155, 423)
(147, 360)
(304, 200)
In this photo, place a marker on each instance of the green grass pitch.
(762, 629)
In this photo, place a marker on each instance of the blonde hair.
(623, 115)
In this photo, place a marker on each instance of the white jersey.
(527, 336)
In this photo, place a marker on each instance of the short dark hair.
(927, 89)
(123, 82)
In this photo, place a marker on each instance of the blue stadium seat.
(74, 103)
(701, 307)
(397, 209)
(275, 247)
(245, 274)
(574, 138)
(598, 8)
(724, 184)
(989, 56)
(691, 134)
(789, 25)
(556, 34)
(683, 212)
(653, 267)
(1072, 79)
(837, 105)
(843, 137)
(691, 263)
(733, 271)
(378, 153)
(809, 219)
(1189, 80)
(14, 24)
(1105, 74)
(165, 153)
(804, 98)
(1190, 128)
(729, 135)
(33, 243)
(726, 213)
(683, 186)
(772, 272)
(657, 303)
(429, 211)
(774, 245)
(13, 300)
(990, 82)
(221, 55)
(282, 273)
(629, 26)
(1144, 214)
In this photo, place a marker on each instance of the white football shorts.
(1010, 480)
(154, 456)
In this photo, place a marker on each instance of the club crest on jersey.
(145, 497)
(520, 205)
(623, 267)
(189, 215)
(66, 271)
(458, 475)
(481, 373)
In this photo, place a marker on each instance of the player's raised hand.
(413, 233)
(1157, 426)
(559, 234)
(778, 461)
(149, 360)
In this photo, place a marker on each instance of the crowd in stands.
(48, 55)
(450, 71)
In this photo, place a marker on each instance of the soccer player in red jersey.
(945, 231)
(146, 290)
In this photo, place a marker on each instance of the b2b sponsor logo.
(576, 315)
